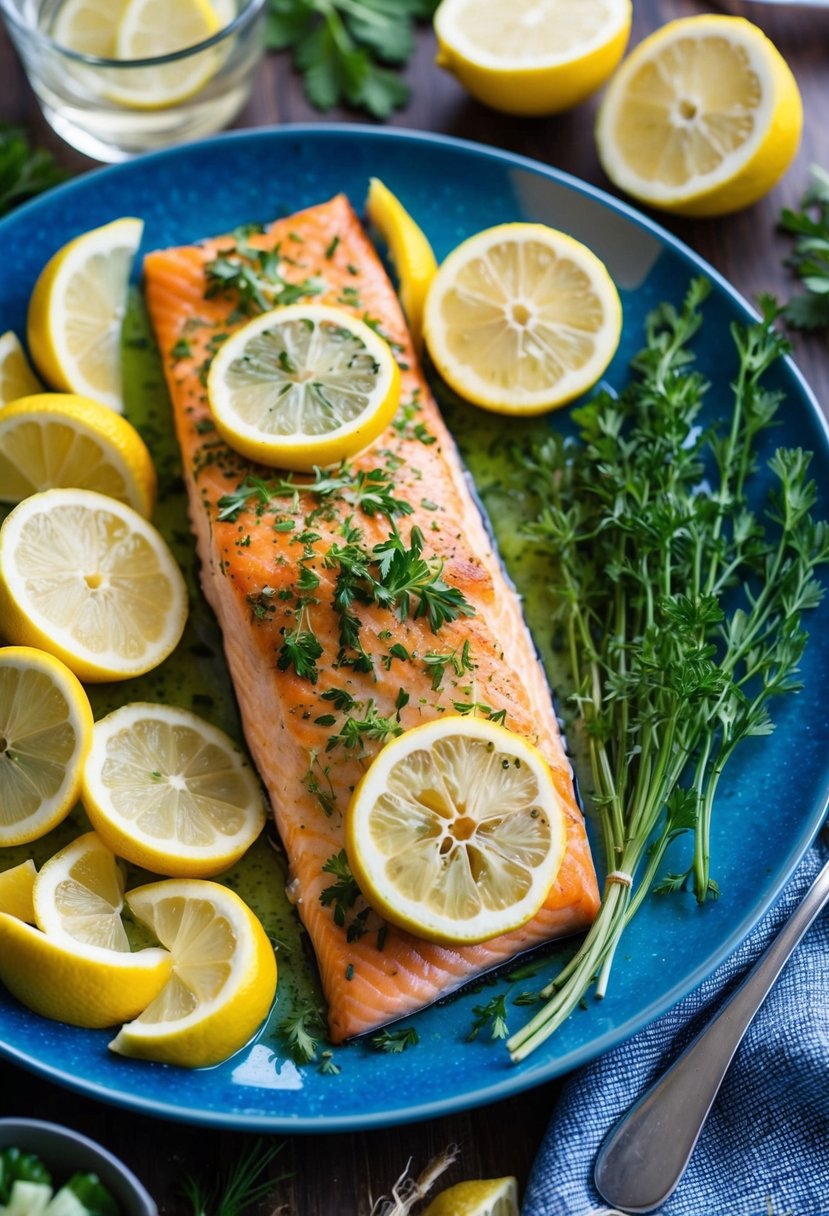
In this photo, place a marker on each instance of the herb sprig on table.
(24, 171)
(680, 583)
(348, 50)
(810, 257)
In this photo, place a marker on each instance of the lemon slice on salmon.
(223, 980)
(16, 888)
(91, 581)
(409, 250)
(456, 832)
(303, 386)
(76, 310)
(703, 117)
(58, 439)
(45, 734)
(78, 895)
(170, 792)
(522, 318)
(478, 1197)
(16, 376)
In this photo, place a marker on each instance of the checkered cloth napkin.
(765, 1147)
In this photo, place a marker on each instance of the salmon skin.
(314, 721)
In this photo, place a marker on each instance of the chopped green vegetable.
(24, 171)
(810, 258)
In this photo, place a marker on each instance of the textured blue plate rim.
(526, 1076)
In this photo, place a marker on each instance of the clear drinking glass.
(112, 109)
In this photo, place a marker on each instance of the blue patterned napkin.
(765, 1147)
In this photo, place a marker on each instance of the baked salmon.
(317, 703)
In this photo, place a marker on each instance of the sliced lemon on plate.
(302, 386)
(91, 581)
(45, 733)
(456, 832)
(409, 250)
(76, 311)
(532, 56)
(522, 318)
(59, 439)
(16, 376)
(16, 888)
(82, 985)
(223, 980)
(703, 117)
(79, 893)
(170, 792)
(479, 1197)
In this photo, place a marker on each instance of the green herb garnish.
(302, 1029)
(492, 1017)
(24, 171)
(342, 894)
(810, 258)
(395, 1041)
(240, 1188)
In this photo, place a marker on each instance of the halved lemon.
(82, 985)
(522, 318)
(150, 29)
(58, 439)
(223, 981)
(91, 581)
(79, 893)
(703, 117)
(16, 887)
(303, 385)
(532, 56)
(16, 376)
(409, 249)
(456, 832)
(76, 310)
(170, 792)
(45, 733)
(479, 1197)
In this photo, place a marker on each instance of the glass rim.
(250, 10)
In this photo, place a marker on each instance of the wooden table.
(337, 1174)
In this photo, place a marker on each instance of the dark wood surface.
(339, 1174)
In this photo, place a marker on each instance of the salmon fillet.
(297, 724)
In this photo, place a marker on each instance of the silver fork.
(644, 1156)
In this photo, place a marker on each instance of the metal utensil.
(644, 1156)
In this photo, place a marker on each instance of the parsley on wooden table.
(349, 50)
(810, 256)
(24, 171)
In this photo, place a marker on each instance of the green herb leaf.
(24, 171)
(810, 257)
(395, 1041)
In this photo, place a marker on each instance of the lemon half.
(478, 1197)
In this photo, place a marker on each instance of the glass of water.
(111, 104)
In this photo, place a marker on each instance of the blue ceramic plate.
(773, 796)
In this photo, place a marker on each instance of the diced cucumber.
(28, 1199)
(66, 1203)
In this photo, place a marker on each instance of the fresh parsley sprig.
(238, 1189)
(679, 582)
(342, 46)
(810, 257)
(24, 171)
(395, 1041)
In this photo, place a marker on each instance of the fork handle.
(645, 1154)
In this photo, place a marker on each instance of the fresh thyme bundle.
(680, 602)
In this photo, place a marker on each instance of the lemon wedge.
(76, 310)
(16, 887)
(91, 581)
(82, 985)
(303, 386)
(532, 56)
(223, 980)
(45, 733)
(79, 893)
(480, 1197)
(703, 117)
(16, 376)
(58, 439)
(170, 792)
(456, 832)
(409, 250)
(521, 319)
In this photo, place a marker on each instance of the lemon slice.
(88, 26)
(91, 581)
(521, 319)
(16, 376)
(409, 249)
(79, 893)
(303, 386)
(456, 832)
(169, 792)
(484, 1197)
(703, 118)
(82, 985)
(76, 310)
(532, 56)
(151, 29)
(57, 439)
(16, 888)
(45, 733)
(223, 981)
